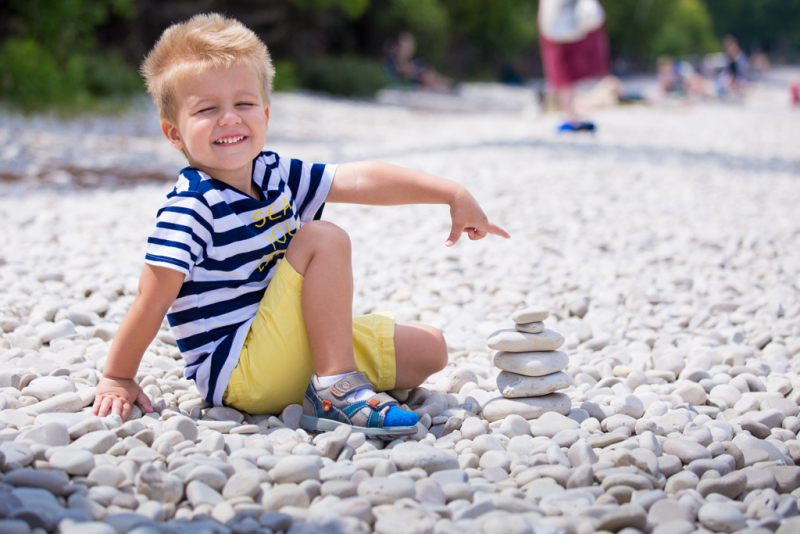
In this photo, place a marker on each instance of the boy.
(259, 291)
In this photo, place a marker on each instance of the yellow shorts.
(275, 365)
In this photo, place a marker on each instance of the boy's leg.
(320, 252)
(420, 350)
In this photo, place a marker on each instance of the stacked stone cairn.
(531, 368)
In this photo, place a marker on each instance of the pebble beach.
(665, 250)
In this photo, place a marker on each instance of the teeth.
(230, 140)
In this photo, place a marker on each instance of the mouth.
(230, 140)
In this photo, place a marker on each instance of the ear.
(266, 112)
(173, 134)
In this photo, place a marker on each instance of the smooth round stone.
(295, 469)
(409, 455)
(627, 516)
(386, 490)
(96, 442)
(405, 521)
(284, 495)
(246, 483)
(686, 450)
(515, 341)
(730, 485)
(340, 488)
(692, 393)
(551, 423)
(471, 428)
(107, 475)
(208, 475)
(515, 386)
(719, 517)
(53, 434)
(495, 459)
(52, 481)
(77, 462)
(512, 425)
(530, 328)
(182, 424)
(157, 485)
(89, 528)
(666, 510)
(530, 314)
(528, 408)
(199, 493)
(531, 363)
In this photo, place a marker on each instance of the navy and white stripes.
(228, 246)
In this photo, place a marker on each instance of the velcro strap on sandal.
(345, 386)
(381, 400)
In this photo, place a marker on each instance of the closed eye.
(206, 109)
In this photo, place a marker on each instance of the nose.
(229, 118)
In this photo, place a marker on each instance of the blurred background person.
(574, 47)
(735, 76)
(402, 68)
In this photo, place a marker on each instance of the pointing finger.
(496, 230)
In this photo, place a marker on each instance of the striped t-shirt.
(228, 245)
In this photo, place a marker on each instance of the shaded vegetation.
(70, 54)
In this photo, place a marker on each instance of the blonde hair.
(200, 43)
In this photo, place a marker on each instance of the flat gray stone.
(386, 490)
(406, 521)
(182, 424)
(719, 517)
(284, 495)
(79, 462)
(52, 481)
(157, 485)
(515, 341)
(66, 403)
(107, 475)
(551, 423)
(686, 450)
(199, 493)
(296, 469)
(97, 442)
(530, 328)
(528, 408)
(512, 385)
(409, 455)
(531, 363)
(51, 434)
(730, 485)
(16, 452)
(242, 484)
(530, 314)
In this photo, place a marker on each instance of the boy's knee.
(325, 233)
(438, 358)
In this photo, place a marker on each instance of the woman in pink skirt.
(567, 63)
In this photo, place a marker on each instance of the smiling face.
(221, 123)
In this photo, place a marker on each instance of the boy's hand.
(468, 217)
(116, 395)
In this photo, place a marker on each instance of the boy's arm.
(382, 184)
(158, 288)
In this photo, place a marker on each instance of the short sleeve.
(310, 184)
(182, 233)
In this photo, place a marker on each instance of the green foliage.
(352, 9)
(505, 27)
(645, 29)
(49, 62)
(285, 76)
(344, 76)
(687, 29)
(762, 24)
(423, 18)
